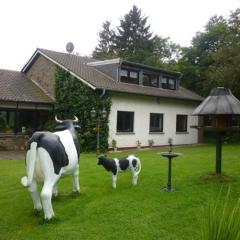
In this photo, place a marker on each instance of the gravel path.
(12, 155)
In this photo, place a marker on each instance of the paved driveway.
(12, 155)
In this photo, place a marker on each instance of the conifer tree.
(133, 35)
(105, 48)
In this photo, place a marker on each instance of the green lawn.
(141, 212)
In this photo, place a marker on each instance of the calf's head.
(101, 160)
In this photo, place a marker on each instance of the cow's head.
(66, 124)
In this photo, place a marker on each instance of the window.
(207, 121)
(235, 121)
(156, 122)
(171, 84)
(124, 75)
(129, 76)
(125, 121)
(164, 83)
(168, 83)
(150, 80)
(7, 118)
(181, 123)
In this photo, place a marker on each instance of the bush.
(75, 98)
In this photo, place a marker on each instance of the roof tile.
(15, 86)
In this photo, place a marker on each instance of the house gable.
(42, 72)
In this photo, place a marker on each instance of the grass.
(222, 221)
(141, 212)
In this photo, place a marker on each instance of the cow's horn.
(75, 119)
(57, 120)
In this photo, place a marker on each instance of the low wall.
(13, 142)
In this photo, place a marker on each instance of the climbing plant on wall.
(76, 98)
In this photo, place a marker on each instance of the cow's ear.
(60, 128)
(76, 126)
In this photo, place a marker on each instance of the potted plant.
(114, 145)
(138, 144)
(150, 142)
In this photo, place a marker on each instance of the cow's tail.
(30, 162)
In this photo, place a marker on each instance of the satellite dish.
(69, 47)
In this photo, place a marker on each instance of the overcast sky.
(28, 24)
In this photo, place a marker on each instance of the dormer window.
(150, 80)
(168, 83)
(171, 84)
(129, 76)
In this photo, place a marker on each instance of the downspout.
(179, 78)
(103, 93)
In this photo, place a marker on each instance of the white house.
(148, 103)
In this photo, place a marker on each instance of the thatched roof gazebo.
(222, 110)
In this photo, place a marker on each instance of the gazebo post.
(219, 154)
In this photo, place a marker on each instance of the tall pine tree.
(133, 39)
(105, 48)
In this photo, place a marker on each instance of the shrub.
(75, 98)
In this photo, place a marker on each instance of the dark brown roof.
(15, 86)
(97, 79)
(220, 102)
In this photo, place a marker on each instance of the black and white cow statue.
(50, 156)
(120, 165)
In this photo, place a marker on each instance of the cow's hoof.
(37, 212)
(50, 220)
(75, 194)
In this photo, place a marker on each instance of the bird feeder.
(221, 109)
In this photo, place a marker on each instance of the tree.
(105, 48)
(197, 59)
(133, 38)
(225, 69)
(133, 41)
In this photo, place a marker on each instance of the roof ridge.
(9, 70)
(84, 63)
(65, 53)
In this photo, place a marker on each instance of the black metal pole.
(169, 174)
(98, 136)
(219, 153)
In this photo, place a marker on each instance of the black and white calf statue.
(50, 156)
(119, 165)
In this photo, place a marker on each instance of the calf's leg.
(114, 181)
(76, 187)
(134, 178)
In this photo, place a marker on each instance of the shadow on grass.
(212, 176)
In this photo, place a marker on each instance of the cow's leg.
(46, 197)
(55, 190)
(76, 187)
(35, 195)
(114, 180)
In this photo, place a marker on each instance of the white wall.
(142, 106)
